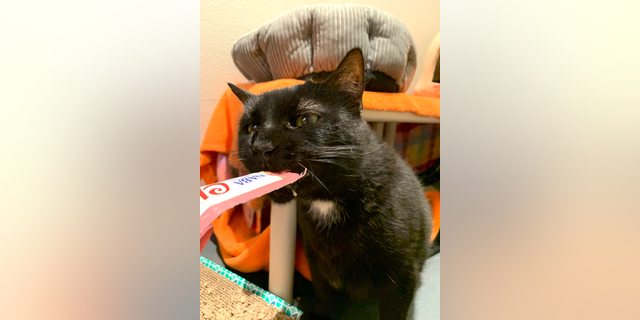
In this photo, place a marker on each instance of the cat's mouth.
(298, 170)
(276, 168)
(290, 163)
(279, 162)
(279, 168)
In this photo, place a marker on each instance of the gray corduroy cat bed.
(314, 39)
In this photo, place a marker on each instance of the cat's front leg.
(395, 299)
(326, 306)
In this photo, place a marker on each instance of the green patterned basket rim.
(267, 296)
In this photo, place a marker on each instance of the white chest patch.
(323, 211)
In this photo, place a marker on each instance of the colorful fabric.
(267, 296)
(419, 144)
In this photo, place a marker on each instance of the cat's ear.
(242, 94)
(349, 76)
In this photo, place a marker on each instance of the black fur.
(376, 241)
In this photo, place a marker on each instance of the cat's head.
(313, 125)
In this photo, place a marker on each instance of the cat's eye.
(306, 119)
(252, 128)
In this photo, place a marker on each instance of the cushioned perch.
(314, 39)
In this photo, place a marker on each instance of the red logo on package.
(214, 189)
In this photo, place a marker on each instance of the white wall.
(222, 22)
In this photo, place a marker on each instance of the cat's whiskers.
(391, 278)
(380, 146)
(235, 159)
(313, 175)
(329, 161)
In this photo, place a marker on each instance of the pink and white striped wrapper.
(217, 197)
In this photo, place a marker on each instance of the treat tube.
(217, 197)
(282, 249)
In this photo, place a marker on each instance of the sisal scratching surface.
(221, 299)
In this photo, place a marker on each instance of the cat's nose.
(264, 149)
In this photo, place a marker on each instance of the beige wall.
(222, 22)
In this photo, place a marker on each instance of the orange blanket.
(244, 248)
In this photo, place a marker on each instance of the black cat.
(364, 219)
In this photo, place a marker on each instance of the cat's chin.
(278, 170)
(282, 195)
